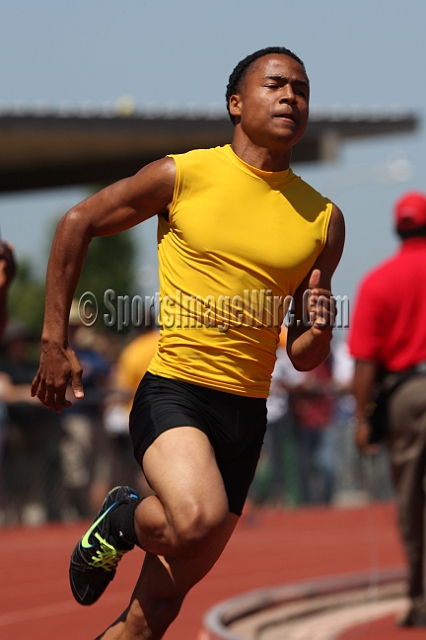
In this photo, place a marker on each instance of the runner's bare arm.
(308, 344)
(116, 208)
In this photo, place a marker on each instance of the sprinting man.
(239, 236)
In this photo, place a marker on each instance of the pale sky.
(369, 55)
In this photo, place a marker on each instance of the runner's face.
(273, 101)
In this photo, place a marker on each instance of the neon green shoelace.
(107, 556)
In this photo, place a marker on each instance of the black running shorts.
(235, 426)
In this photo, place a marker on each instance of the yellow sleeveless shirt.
(237, 242)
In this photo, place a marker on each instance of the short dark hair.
(240, 71)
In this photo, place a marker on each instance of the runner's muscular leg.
(190, 502)
(187, 524)
(161, 589)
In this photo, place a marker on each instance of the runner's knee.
(196, 526)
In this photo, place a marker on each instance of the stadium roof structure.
(45, 148)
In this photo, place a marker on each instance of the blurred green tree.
(110, 264)
(26, 297)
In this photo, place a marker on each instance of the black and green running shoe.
(95, 557)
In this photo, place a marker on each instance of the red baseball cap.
(410, 211)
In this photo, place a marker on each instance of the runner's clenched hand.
(321, 305)
(58, 365)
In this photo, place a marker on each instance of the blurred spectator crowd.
(59, 466)
(309, 456)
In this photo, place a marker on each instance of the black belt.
(419, 368)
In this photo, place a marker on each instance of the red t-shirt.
(389, 321)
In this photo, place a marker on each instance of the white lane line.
(329, 626)
(59, 608)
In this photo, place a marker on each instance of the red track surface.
(383, 629)
(268, 548)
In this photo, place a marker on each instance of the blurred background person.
(388, 341)
(30, 470)
(277, 480)
(348, 486)
(313, 404)
(83, 449)
(126, 375)
(28, 442)
(7, 273)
